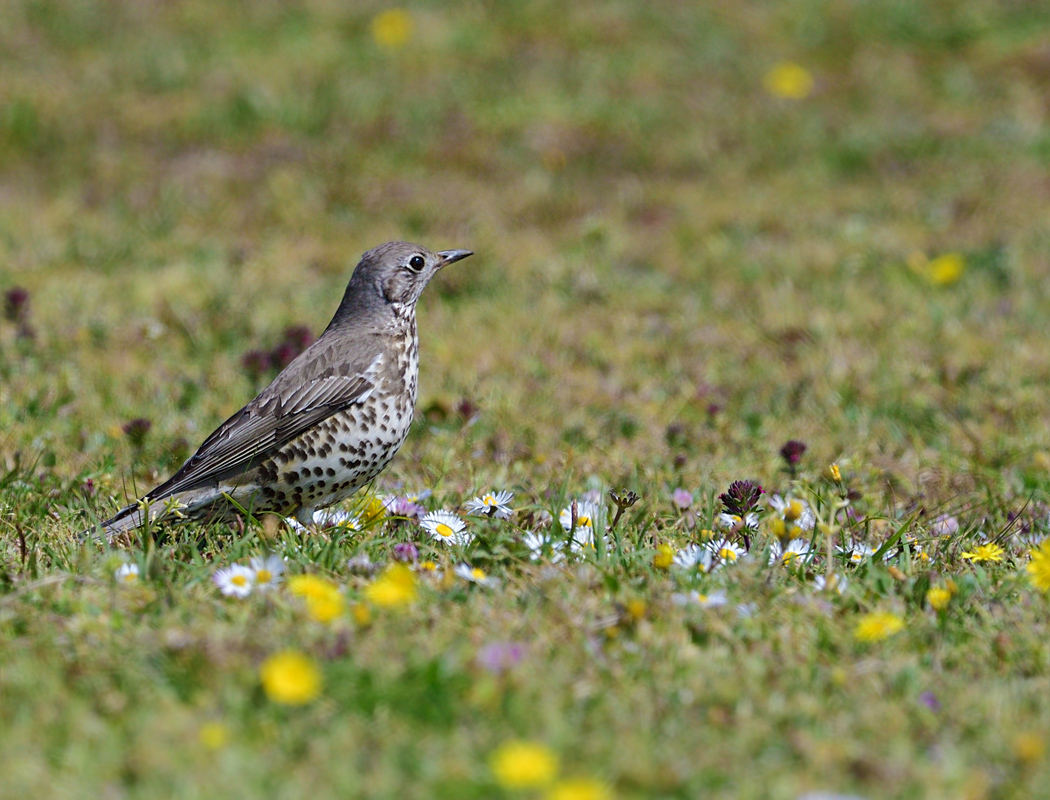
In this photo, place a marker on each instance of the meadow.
(755, 338)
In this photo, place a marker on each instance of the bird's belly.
(329, 462)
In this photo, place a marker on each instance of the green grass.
(676, 273)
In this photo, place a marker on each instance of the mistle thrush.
(328, 423)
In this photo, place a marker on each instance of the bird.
(330, 421)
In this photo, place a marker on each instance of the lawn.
(801, 247)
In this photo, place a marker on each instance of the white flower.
(586, 516)
(796, 549)
(857, 553)
(724, 552)
(429, 569)
(127, 573)
(417, 497)
(831, 583)
(694, 555)
(794, 512)
(474, 575)
(730, 521)
(328, 518)
(266, 571)
(907, 542)
(703, 600)
(446, 527)
(541, 544)
(234, 580)
(361, 564)
(492, 505)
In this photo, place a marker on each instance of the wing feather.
(265, 425)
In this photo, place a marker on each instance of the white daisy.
(694, 556)
(794, 512)
(830, 583)
(492, 505)
(586, 515)
(724, 552)
(234, 580)
(474, 575)
(857, 553)
(731, 521)
(329, 518)
(446, 527)
(541, 544)
(266, 571)
(362, 564)
(796, 549)
(127, 573)
(907, 542)
(711, 600)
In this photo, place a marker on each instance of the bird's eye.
(416, 263)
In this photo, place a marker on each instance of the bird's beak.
(448, 256)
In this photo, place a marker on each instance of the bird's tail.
(187, 505)
(127, 519)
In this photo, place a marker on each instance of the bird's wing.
(266, 424)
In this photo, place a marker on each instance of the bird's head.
(399, 271)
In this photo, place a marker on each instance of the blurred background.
(701, 228)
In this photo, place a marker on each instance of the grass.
(677, 272)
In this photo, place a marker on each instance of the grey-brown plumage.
(328, 423)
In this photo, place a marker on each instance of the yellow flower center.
(239, 580)
(429, 566)
(489, 500)
(793, 510)
(477, 574)
(727, 554)
(263, 576)
(583, 521)
(131, 577)
(444, 530)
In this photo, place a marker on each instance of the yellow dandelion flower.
(789, 80)
(1029, 747)
(523, 765)
(373, 510)
(1039, 567)
(362, 614)
(664, 557)
(944, 270)
(636, 608)
(986, 552)
(877, 626)
(291, 678)
(213, 735)
(938, 597)
(835, 473)
(579, 789)
(324, 602)
(397, 586)
(392, 29)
